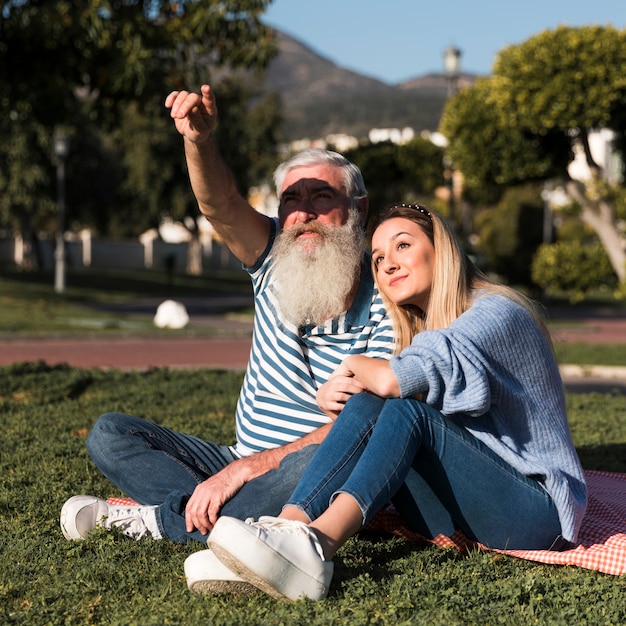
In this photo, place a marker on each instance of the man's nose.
(306, 211)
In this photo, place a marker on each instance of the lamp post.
(61, 151)
(452, 65)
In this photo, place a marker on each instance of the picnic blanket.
(601, 542)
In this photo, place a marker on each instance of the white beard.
(315, 277)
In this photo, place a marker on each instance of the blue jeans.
(439, 477)
(158, 466)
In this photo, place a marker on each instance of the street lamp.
(452, 66)
(61, 151)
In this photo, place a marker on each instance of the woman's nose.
(389, 265)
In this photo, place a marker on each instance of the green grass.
(590, 354)
(108, 579)
(30, 306)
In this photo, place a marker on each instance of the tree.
(399, 173)
(526, 121)
(572, 267)
(100, 71)
(94, 50)
(510, 233)
(492, 154)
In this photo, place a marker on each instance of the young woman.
(464, 429)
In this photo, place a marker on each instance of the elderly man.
(315, 303)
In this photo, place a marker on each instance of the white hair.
(354, 186)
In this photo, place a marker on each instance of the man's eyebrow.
(312, 189)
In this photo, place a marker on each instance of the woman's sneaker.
(81, 514)
(206, 574)
(281, 557)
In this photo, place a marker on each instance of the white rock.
(171, 314)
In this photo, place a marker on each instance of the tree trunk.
(600, 215)
(194, 255)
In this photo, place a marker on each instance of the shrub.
(573, 268)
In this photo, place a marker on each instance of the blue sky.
(394, 40)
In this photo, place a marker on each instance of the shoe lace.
(288, 527)
(119, 513)
(128, 519)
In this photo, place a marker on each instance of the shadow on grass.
(82, 284)
(605, 457)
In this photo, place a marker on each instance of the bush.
(573, 268)
(510, 232)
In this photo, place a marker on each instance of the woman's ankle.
(295, 514)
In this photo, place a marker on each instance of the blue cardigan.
(493, 372)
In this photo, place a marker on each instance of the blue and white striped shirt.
(288, 364)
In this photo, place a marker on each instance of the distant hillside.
(321, 98)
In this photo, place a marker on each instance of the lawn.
(29, 306)
(96, 301)
(47, 412)
(108, 579)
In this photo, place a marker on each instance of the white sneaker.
(281, 557)
(80, 514)
(206, 574)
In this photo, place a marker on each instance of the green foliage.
(250, 149)
(493, 154)
(26, 199)
(572, 267)
(44, 579)
(110, 52)
(525, 122)
(102, 71)
(510, 232)
(399, 173)
(150, 157)
(563, 79)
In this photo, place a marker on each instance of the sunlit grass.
(29, 304)
(44, 579)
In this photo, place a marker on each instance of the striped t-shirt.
(288, 364)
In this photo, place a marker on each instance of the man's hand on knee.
(203, 507)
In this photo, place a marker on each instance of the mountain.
(320, 98)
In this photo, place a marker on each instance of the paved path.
(228, 346)
(230, 351)
(226, 352)
(601, 330)
(130, 352)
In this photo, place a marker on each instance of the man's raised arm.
(244, 230)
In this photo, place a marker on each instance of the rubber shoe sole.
(207, 575)
(81, 514)
(271, 572)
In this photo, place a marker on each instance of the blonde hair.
(457, 282)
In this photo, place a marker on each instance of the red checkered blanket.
(601, 542)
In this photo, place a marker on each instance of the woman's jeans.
(158, 466)
(439, 477)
